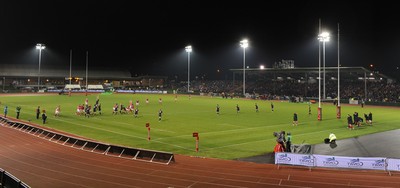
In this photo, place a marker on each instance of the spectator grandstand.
(268, 83)
(24, 78)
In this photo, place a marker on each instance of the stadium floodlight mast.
(70, 66)
(188, 50)
(40, 47)
(324, 37)
(338, 110)
(87, 67)
(244, 44)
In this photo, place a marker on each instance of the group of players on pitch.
(357, 121)
(86, 109)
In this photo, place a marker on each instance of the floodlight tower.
(40, 47)
(322, 37)
(338, 110)
(244, 44)
(188, 50)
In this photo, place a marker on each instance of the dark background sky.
(149, 37)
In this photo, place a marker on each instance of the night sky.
(149, 37)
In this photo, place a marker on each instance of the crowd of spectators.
(377, 91)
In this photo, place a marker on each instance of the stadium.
(189, 125)
(189, 94)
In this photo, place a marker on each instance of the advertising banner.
(373, 163)
(393, 164)
(294, 159)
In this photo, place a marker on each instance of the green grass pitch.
(229, 135)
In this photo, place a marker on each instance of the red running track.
(41, 163)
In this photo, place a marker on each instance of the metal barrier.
(92, 146)
(7, 180)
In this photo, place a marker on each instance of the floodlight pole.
(322, 37)
(319, 76)
(40, 47)
(188, 50)
(244, 44)
(87, 62)
(323, 58)
(338, 110)
(70, 66)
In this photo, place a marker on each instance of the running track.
(41, 163)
